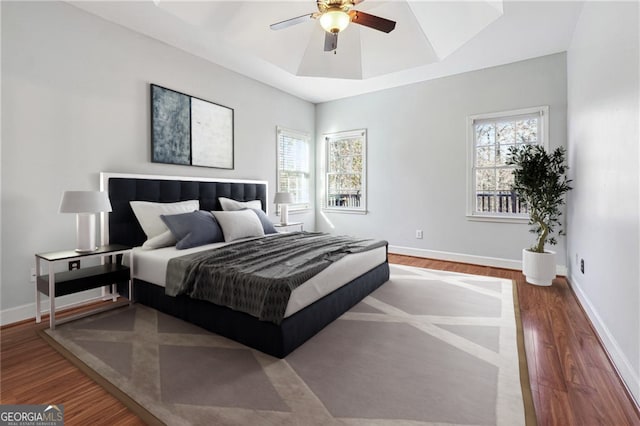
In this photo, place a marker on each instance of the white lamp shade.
(283, 198)
(84, 202)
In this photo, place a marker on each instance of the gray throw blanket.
(257, 276)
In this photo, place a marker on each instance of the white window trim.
(345, 135)
(471, 193)
(299, 207)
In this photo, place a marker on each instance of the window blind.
(294, 166)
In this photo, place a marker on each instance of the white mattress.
(151, 266)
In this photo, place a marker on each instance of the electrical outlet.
(419, 234)
(582, 265)
(74, 264)
(32, 278)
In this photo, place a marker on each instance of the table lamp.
(85, 204)
(283, 199)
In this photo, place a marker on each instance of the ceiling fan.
(335, 16)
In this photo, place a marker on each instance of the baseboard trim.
(620, 362)
(495, 262)
(28, 311)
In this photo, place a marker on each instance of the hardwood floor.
(572, 380)
(32, 372)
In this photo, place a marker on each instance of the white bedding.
(151, 266)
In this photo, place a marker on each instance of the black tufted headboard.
(121, 225)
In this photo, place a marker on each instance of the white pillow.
(165, 239)
(231, 205)
(239, 224)
(148, 214)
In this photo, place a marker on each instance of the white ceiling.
(236, 35)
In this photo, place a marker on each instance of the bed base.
(276, 340)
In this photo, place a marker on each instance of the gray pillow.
(266, 222)
(193, 229)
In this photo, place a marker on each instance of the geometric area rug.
(427, 347)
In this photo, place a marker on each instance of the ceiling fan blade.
(292, 21)
(371, 21)
(330, 41)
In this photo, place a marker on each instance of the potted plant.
(540, 181)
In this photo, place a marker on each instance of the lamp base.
(284, 214)
(86, 233)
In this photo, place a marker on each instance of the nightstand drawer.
(69, 282)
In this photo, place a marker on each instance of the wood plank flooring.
(32, 372)
(572, 380)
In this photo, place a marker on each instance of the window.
(490, 137)
(294, 166)
(346, 171)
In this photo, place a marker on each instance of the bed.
(308, 310)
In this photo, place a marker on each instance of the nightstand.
(289, 227)
(57, 284)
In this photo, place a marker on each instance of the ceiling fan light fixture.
(334, 20)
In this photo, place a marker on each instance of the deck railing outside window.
(500, 202)
(344, 200)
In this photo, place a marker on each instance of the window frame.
(543, 139)
(336, 136)
(300, 135)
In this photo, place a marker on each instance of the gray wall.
(417, 156)
(75, 102)
(604, 210)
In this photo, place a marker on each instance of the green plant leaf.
(540, 180)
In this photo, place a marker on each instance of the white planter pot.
(539, 268)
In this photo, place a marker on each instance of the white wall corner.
(621, 362)
(466, 258)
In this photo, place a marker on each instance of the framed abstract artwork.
(190, 131)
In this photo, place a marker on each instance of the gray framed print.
(189, 130)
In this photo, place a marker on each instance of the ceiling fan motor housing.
(326, 5)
